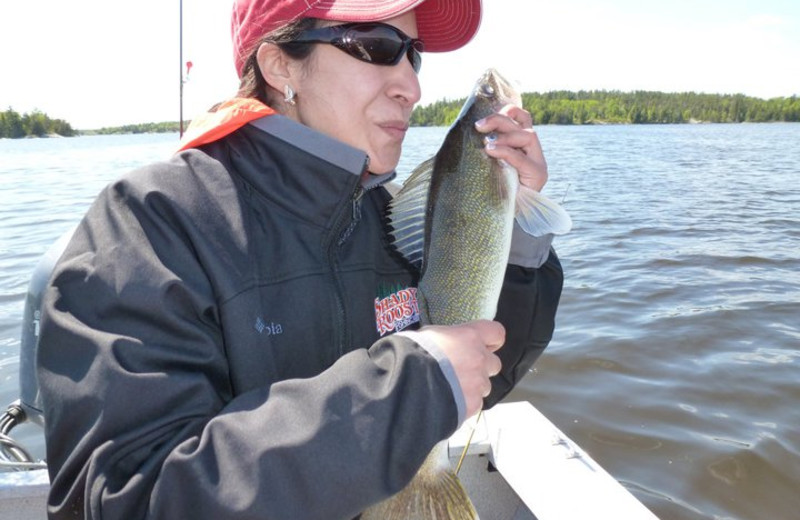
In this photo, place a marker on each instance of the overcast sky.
(105, 63)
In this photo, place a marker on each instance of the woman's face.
(364, 105)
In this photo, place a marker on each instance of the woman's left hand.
(517, 144)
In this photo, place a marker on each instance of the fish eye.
(487, 91)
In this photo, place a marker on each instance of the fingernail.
(480, 122)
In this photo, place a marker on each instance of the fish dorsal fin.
(407, 214)
(538, 215)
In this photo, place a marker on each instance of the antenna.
(180, 58)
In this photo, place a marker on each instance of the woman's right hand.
(470, 349)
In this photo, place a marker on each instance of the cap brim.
(442, 25)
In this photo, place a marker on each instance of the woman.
(209, 346)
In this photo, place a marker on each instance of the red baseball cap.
(443, 25)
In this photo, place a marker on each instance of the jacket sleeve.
(141, 421)
(527, 308)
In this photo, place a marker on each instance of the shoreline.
(85, 133)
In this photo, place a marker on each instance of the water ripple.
(675, 357)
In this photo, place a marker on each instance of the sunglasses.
(376, 43)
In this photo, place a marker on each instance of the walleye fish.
(453, 218)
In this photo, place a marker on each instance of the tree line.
(140, 128)
(38, 124)
(640, 107)
(33, 124)
(556, 107)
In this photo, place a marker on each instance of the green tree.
(35, 123)
(640, 107)
(12, 125)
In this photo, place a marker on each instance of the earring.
(288, 92)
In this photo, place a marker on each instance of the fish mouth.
(494, 86)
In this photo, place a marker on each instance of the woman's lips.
(396, 129)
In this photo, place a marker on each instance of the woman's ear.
(274, 66)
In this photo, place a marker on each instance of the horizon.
(100, 74)
(444, 100)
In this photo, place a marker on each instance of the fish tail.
(438, 496)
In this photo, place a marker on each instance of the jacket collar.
(308, 173)
(325, 148)
(228, 117)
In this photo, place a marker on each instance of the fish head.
(491, 93)
(497, 90)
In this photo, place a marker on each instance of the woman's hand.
(517, 144)
(470, 348)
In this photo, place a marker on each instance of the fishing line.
(469, 440)
(565, 193)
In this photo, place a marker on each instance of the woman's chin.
(384, 164)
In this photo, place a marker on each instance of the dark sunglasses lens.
(376, 44)
(415, 56)
(383, 46)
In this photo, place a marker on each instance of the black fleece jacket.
(216, 340)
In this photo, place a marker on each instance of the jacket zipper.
(333, 246)
(339, 236)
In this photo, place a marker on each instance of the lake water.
(676, 357)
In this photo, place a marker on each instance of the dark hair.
(253, 84)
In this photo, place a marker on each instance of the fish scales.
(468, 233)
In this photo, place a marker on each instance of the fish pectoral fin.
(421, 176)
(538, 215)
(406, 214)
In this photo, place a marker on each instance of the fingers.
(506, 119)
(520, 115)
(516, 143)
(492, 333)
(493, 336)
(486, 390)
(471, 348)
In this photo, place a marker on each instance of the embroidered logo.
(270, 329)
(396, 311)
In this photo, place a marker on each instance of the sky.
(107, 63)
